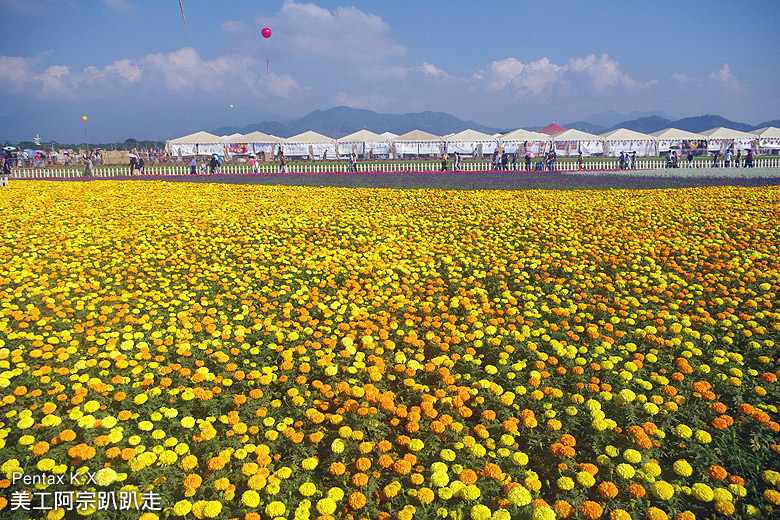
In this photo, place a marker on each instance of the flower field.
(260, 352)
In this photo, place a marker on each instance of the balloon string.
(182, 12)
(268, 68)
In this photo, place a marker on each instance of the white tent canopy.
(624, 140)
(471, 142)
(257, 142)
(669, 138)
(364, 143)
(769, 137)
(309, 144)
(721, 139)
(199, 143)
(522, 141)
(570, 142)
(418, 142)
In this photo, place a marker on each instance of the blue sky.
(136, 70)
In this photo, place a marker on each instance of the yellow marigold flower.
(250, 498)
(682, 468)
(105, 477)
(307, 489)
(275, 509)
(470, 492)
(683, 431)
(326, 506)
(654, 513)
(703, 492)
(662, 490)
(625, 471)
(585, 479)
(632, 456)
(309, 463)
(519, 496)
(425, 495)
(544, 513)
(336, 494)
(724, 508)
(480, 512)
(565, 483)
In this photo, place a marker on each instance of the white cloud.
(119, 5)
(345, 35)
(540, 76)
(368, 101)
(603, 72)
(432, 70)
(179, 71)
(721, 81)
(512, 74)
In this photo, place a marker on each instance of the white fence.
(643, 167)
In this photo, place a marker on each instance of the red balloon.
(266, 32)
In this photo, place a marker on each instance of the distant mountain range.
(340, 121)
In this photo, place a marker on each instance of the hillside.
(339, 121)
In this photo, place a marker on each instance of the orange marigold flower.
(589, 468)
(568, 440)
(363, 464)
(468, 476)
(492, 471)
(591, 509)
(385, 461)
(563, 508)
(402, 467)
(40, 448)
(67, 435)
(636, 491)
(717, 472)
(357, 500)
(192, 481)
(608, 489)
(359, 479)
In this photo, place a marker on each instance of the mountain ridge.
(337, 122)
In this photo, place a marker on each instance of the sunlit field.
(281, 352)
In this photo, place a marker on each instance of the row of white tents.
(570, 142)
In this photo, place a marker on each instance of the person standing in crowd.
(193, 166)
(579, 159)
(675, 160)
(252, 164)
(213, 163)
(738, 158)
(282, 162)
(505, 161)
(515, 156)
(133, 164)
(727, 159)
(749, 158)
(141, 166)
(456, 167)
(88, 166)
(6, 171)
(633, 160)
(443, 162)
(527, 160)
(690, 158)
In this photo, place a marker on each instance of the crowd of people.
(728, 160)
